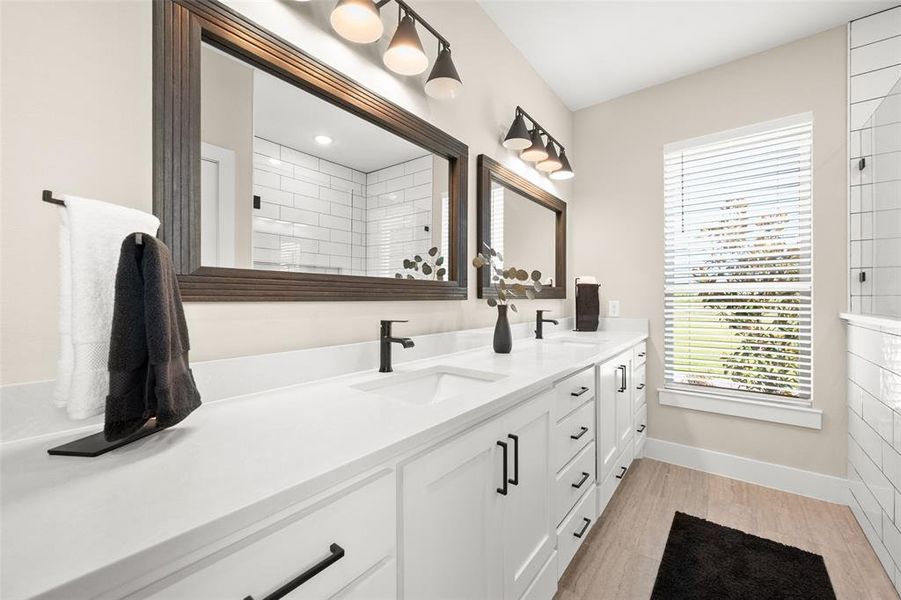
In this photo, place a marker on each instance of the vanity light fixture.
(322, 140)
(518, 137)
(552, 162)
(536, 150)
(527, 135)
(444, 81)
(565, 171)
(359, 21)
(405, 55)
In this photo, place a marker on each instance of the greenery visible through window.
(738, 261)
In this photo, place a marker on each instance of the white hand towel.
(91, 235)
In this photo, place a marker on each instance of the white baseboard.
(780, 477)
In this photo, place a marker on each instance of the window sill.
(798, 416)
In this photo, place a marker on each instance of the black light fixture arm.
(415, 16)
(537, 125)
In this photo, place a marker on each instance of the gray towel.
(148, 359)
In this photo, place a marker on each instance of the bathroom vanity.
(468, 474)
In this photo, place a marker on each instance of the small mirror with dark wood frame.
(524, 223)
(277, 178)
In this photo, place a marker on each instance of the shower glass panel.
(876, 213)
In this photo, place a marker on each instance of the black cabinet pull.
(624, 385)
(503, 490)
(620, 476)
(582, 431)
(641, 355)
(581, 391)
(336, 553)
(642, 428)
(580, 533)
(515, 480)
(640, 386)
(582, 481)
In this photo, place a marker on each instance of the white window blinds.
(738, 261)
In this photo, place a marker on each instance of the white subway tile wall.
(875, 137)
(399, 202)
(317, 216)
(874, 440)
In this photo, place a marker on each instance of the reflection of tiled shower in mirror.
(875, 223)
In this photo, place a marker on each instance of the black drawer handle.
(582, 481)
(503, 490)
(336, 553)
(579, 534)
(582, 431)
(581, 391)
(642, 428)
(641, 355)
(640, 386)
(620, 476)
(515, 479)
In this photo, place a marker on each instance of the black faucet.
(385, 341)
(539, 323)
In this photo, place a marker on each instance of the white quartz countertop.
(234, 461)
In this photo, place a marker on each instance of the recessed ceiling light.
(323, 140)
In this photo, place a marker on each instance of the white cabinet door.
(608, 384)
(527, 508)
(624, 409)
(453, 520)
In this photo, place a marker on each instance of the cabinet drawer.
(641, 430)
(641, 421)
(574, 530)
(573, 391)
(572, 434)
(573, 481)
(361, 523)
(639, 354)
(639, 387)
(640, 441)
(545, 584)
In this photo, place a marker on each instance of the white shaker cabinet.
(477, 517)
(616, 424)
(608, 383)
(624, 408)
(343, 549)
(527, 510)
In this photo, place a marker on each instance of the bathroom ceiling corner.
(592, 51)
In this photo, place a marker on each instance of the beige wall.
(226, 120)
(618, 234)
(76, 118)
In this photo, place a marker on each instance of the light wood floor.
(619, 559)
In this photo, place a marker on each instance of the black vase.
(503, 337)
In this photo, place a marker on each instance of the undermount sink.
(429, 385)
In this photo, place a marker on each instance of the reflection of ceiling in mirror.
(290, 116)
(293, 117)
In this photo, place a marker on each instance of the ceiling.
(592, 51)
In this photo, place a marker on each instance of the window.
(738, 263)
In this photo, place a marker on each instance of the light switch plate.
(613, 308)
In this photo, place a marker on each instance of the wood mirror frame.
(489, 169)
(179, 26)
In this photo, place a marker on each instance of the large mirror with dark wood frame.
(524, 225)
(277, 178)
